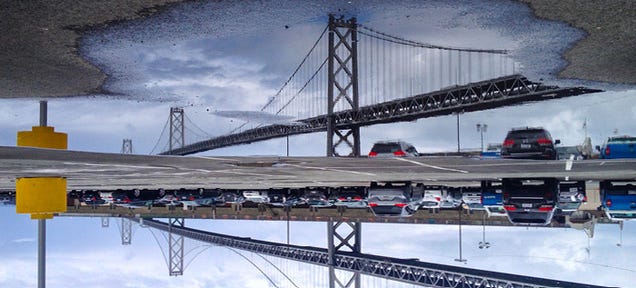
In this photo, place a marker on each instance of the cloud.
(23, 240)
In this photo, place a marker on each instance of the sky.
(232, 56)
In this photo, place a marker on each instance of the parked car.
(530, 201)
(450, 203)
(492, 195)
(618, 199)
(350, 197)
(492, 199)
(529, 143)
(92, 197)
(429, 202)
(393, 149)
(391, 199)
(471, 198)
(495, 211)
(567, 152)
(229, 198)
(277, 196)
(571, 196)
(618, 147)
(256, 196)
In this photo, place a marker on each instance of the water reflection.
(518, 251)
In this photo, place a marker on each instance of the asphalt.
(87, 170)
(40, 51)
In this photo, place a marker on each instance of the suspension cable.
(278, 93)
(399, 40)
(195, 125)
(297, 68)
(303, 87)
(160, 136)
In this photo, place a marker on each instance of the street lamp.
(620, 244)
(482, 128)
(460, 259)
(457, 113)
(483, 244)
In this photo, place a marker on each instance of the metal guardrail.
(503, 91)
(408, 271)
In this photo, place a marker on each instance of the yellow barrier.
(42, 196)
(43, 137)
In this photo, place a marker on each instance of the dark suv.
(529, 143)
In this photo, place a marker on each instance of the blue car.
(618, 147)
(618, 199)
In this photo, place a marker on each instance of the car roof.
(526, 128)
(621, 138)
(392, 142)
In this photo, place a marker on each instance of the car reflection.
(618, 199)
(530, 201)
(392, 199)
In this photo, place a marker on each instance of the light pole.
(460, 259)
(457, 113)
(483, 244)
(620, 244)
(482, 128)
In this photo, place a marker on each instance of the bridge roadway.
(443, 217)
(489, 94)
(88, 170)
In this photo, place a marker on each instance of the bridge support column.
(105, 222)
(342, 89)
(126, 231)
(126, 146)
(175, 244)
(345, 236)
(177, 135)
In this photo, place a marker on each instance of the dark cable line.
(303, 87)
(160, 136)
(297, 68)
(399, 40)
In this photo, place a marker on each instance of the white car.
(429, 202)
(256, 196)
(495, 211)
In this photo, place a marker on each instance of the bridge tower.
(177, 135)
(343, 236)
(126, 146)
(342, 89)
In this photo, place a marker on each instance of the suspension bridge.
(341, 264)
(355, 76)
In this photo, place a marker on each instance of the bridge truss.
(407, 271)
(503, 91)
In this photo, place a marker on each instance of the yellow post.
(42, 196)
(43, 137)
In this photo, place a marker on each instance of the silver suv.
(393, 149)
(391, 199)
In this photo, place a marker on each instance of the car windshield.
(385, 147)
(526, 134)
(622, 139)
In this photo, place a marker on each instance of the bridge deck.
(443, 217)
